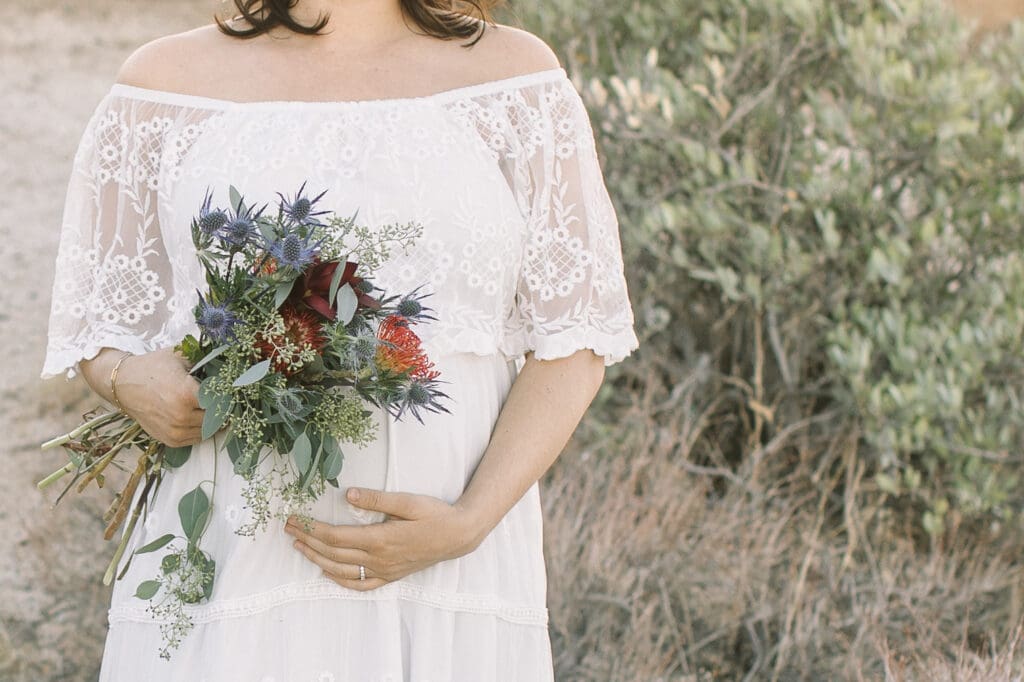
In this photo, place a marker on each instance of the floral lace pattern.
(520, 248)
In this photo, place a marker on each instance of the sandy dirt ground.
(990, 13)
(58, 59)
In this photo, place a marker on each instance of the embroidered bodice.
(520, 246)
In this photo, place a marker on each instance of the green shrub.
(821, 207)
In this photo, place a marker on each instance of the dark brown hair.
(446, 19)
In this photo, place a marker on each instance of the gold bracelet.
(113, 378)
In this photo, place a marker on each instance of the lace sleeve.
(113, 283)
(571, 292)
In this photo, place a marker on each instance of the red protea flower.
(313, 287)
(401, 352)
(302, 328)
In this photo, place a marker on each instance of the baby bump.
(436, 457)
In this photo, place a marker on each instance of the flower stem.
(151, 478)
(112, 568)
(93, 423)
(127, 437)
(56, 475)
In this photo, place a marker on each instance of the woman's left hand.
(421, 531)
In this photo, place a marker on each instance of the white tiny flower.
(325, 676)
(233, 514)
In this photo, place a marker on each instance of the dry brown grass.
(661, 569)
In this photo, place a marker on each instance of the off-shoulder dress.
(520, 252)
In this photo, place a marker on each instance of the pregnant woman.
(407, 110)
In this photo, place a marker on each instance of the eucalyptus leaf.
(314, 467)
(170, 563)
(346, 304)
(209, 356)
(193, 510)
(266, 226)
(331, 466)
(234, 449)
(339, 272)
(243, 464)
(207, 395)
(147, 589)
(333, 459)
(175, 457)
(156, 544)
(290, 433)
(124, 571)
(253, 374)
(302, 452)
(211, 566)
(236, 200)
(281, 294)
(216, 415)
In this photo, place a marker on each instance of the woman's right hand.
(156, 390)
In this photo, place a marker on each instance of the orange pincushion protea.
(302, 329)
(267, 266)
(401, 351)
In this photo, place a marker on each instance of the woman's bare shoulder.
(513, 51)
(503, 51)
(177, 62)
(169, 62)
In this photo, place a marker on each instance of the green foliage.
(820, 203)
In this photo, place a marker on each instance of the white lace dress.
(520, 251)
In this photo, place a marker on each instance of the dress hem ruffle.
(324, 588)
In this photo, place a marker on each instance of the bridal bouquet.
(293, 344)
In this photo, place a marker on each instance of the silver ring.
(362, 572)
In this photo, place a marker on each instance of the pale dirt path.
(990, 13)
(57, 59)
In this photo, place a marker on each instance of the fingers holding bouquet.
(157, 391)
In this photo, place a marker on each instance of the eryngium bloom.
(300, 209)
(294, 251)
(411, 306)
(419, 394)
(238, 232)
(216, 321)
(211, 220)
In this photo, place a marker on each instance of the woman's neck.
(353, 23)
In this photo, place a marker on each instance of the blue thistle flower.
(238, 231)
(294, 251)
(359, 353)
(211, 220)
(363, 349)
(216, 321)
(419, 394)
(300, 209)
(411, 306)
